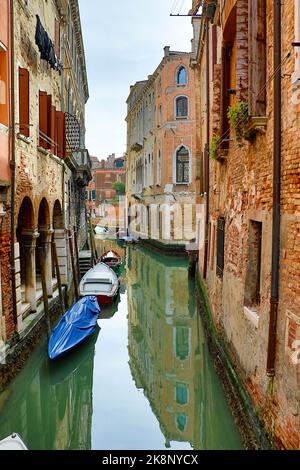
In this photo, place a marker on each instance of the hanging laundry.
(46, 46)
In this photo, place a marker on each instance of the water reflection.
(50, 404)
(168, 396)
(169, 358)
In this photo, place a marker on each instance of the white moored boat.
(13, 442)
(102, 282)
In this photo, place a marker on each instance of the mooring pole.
(73, 265)
(56, 263)
(44, 288)
(77, 252)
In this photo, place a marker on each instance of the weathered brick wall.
(6, 287)
(241, 191)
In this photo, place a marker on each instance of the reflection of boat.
(113, 260)
(100, 230)
(130, 240)
(102, 282)
(61, 371)
(13, 442)
(75, 326)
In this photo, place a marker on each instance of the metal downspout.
(276, 193)
(206, 152)
(13, 160)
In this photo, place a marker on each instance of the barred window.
(182, 107)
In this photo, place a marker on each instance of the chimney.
(167, 51)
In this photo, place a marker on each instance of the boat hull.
(104, 300)
(100, 282)
(78, 324)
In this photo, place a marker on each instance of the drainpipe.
(13, 160)
(206, 151)
(276, 193)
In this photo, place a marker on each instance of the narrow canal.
(144, 381)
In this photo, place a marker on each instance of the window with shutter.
(24, 101)
(258, 57)
(43, 119)
(4, 87)
(60, 134)
(225, 97)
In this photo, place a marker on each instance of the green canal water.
(145, 380)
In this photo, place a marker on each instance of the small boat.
(77, 324)
(13, 442)
(102, 282)
(113, 260)
(101, 231)
(130, 240)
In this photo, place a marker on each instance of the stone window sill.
(252, 315)
(27, 140)
(182, 118)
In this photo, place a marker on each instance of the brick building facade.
(161, 166)
(250, 191)
(42, 142)
(7, 320)
(102, 196)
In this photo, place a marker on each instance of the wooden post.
(93, 242)
(73, 265)
(57, 270)
(92, 251)
(44, 287)
(77, 252)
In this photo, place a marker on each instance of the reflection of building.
(168, 354)
(51, 407)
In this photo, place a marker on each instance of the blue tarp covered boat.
(78, 323)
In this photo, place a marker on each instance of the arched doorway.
(44, 247)
(59, 238)
(26, 237)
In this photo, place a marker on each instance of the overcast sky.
(124, 42)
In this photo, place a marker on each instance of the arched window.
(181, 78)
(182, 342)
(182, 107)
(181, 422)
(160, 115)
(159, 86)
(182, 165)
(181, 394)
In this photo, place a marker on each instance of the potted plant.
(214, 147)
(238, 115)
